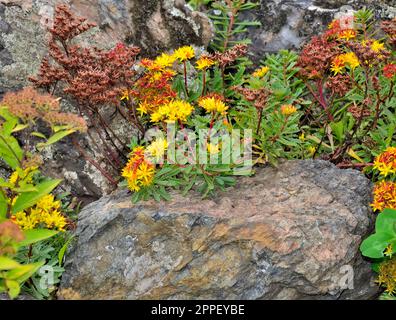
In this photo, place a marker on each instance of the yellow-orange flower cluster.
(204, 62)
(154, 88)
(387, 275)
(46, 212)
(288, 109)
(342, 29)
(138, 172)
(341, 61)
(211, 104)
(184, 53)
(385, 163)
(261, 72)
(347, 34)
(177, 110)
(384, 196)
(153, 91)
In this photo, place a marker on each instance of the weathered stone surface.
(153, 25)
(288, 24)
(286, 233)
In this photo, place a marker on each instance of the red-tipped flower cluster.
(29, 105)
(315, 58)
(91, 76)
(390, 70)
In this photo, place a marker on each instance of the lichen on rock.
(286, 233)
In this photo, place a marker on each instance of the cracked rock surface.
(287, 233)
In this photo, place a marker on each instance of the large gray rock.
(287, 233)
(287, 24)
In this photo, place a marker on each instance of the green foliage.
(385, 235)
(225, 16)
(352, 111)
(276, 135)
(14, 273)
(23, 257)
(29, 198)
(43, 284)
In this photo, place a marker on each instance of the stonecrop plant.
(29, 211)
(197, 119)
(381, 246)
(94, 79)
(183, 104)
(333, 101)
(348, 72)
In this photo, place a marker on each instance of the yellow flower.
(138, 172)
(156, 117)
(384, 196)
(213, 105)
(261, 72)
(125, 95)
(288, 109)
(145, 173)
(184, 53)
(389, 251)
(337, 68)
(204, 62)
(13, 178)
(311, 150)
(338, 64)
(165, 60)
(48, 203)
(142, 108)
(347, 34)
(213, 148)
(45, 212)
(377, 46)
(387, 275)
(173, 111)
(385, 163)
(157, 148)
(351, 59)
(25, 175)
(302, 137)
(25, 221)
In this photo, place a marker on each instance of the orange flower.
(385, 163)
(138, 171)
(288, 109)
(347, 34)
(384, 196)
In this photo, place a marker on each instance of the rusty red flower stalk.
(93, 78)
